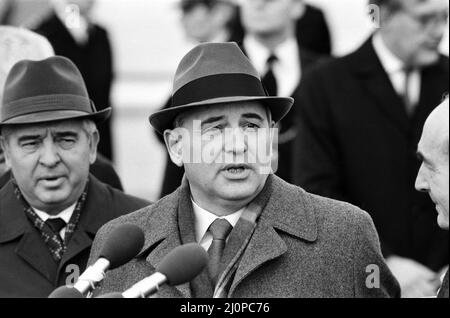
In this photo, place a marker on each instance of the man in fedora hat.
(52, 208)
(265, 237)
(19, 44)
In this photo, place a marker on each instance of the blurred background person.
(202, 21)
(18, 44)
(360, 121)
(433, 150)
(312, 31)
(73, 34)
(270, 44)
(207, 20)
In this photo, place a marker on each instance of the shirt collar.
(204, 218)
(390, 62)
(65, 214)
(287, 52)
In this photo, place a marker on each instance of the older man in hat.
(433, 174)
(21, 44)
(265, 237)
(52, 209)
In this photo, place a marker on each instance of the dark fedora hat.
(48, 90)
(216, 73)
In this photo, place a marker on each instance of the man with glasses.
(360, 121)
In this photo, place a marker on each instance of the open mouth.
(236, 169)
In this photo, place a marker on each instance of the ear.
(93, 146)
(298, 9)
(174, 144)
(5, 148)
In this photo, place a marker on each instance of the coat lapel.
(31, 247)
(162, 234)
(266, 244)
(367, 67)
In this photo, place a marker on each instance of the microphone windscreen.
(183, 263)
(65, 292)
(111, 295)
(124, 243)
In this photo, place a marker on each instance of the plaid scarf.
(56, 245)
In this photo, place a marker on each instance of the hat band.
(46, 103)
(217, 86)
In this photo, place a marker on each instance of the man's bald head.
(437, 126)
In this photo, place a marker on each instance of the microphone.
(65, 292)
(181, 265)
(123, 244)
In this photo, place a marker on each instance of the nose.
(235, 141)
(49, 156)
(421, 181)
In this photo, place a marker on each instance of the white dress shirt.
(65, 215)
(394, 67)
(203, 219)
(286, 69)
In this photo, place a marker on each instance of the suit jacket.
(26, 267)
(303, 246)
(357, 143)
(102, 169)
(94, 60)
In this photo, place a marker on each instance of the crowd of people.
(355, 173)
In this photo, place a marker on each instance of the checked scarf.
(56, 245)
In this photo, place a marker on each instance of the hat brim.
(278, 106)
(50, 116)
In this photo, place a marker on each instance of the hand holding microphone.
(181, 265)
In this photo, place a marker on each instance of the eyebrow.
(28, 137)
(422, 157)
(253, 116)
(65, 134)
(212, 120)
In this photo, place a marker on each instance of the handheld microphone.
(65, 292)
(124, 243)
(181, 265)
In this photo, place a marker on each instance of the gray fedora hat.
(48, 90)
(216, 73)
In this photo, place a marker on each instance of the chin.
(443, 222)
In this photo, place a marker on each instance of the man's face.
(226, 151)
(266, 17)
(417, 30)
(197, 22)
(50, 162)
(433, 176)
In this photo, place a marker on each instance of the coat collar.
(288, 209)
(14, 224)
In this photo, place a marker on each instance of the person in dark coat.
(87, 44)
(264, 237)
(360, 121)
(433, 150)
(52, 208)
